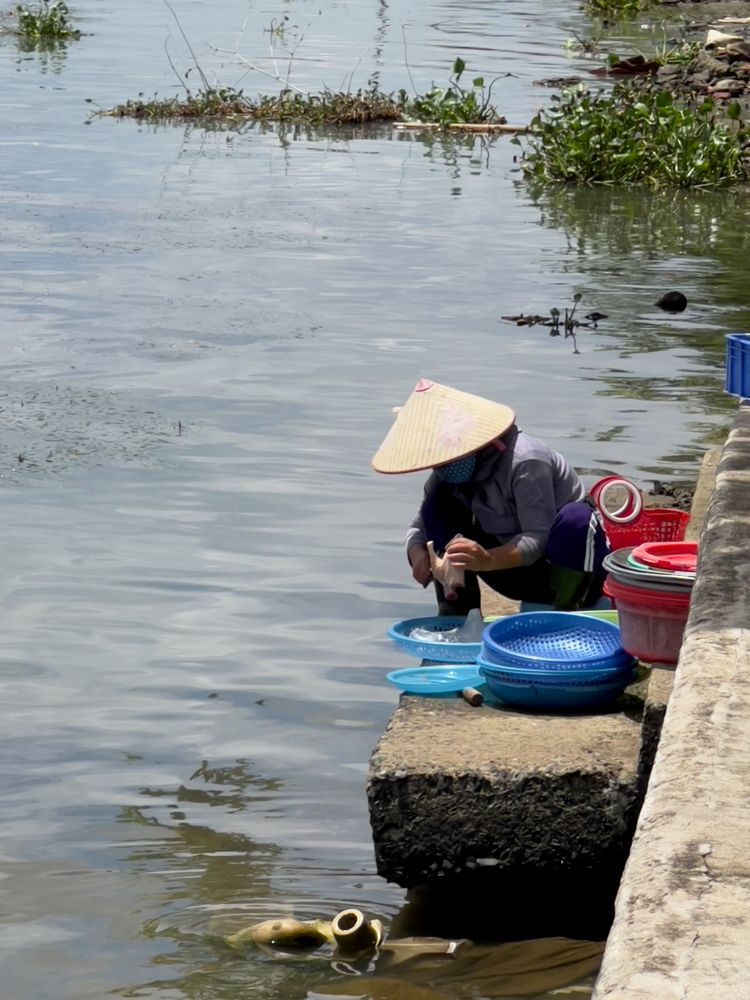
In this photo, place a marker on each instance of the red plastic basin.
(652, 622)
(681, 557)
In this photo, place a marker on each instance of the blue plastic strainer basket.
(557, 698)
(561, 675)
(548, 638)
(442, 652)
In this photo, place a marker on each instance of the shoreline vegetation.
(637, 135)
(679, 118)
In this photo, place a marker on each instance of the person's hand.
(451, 577)
(419, 560)
(463, 554)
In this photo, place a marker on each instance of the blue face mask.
(459, 471)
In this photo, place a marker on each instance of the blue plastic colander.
(553, 638)
(559, 674)
(558, 697)
(443, 652)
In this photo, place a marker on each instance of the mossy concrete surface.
(682, 925)
(453, 787)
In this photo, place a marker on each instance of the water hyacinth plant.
(636, 135)
(454, 104)
(48, 22)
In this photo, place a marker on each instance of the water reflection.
(627, 247)
(50, 54)
(219, 866)
(526, 969)
(638, 220)
(459, 154)
(692, 240)
(214, 876)
(216, 879)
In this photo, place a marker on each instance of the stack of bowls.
(651, 585)
(554, 660)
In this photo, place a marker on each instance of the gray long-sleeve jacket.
(515, 494)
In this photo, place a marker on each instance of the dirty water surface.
(204, 331)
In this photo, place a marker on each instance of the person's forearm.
(464, 553)
(507, 556)
(414, 537)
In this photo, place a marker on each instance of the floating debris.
(672, 302)
(560, 323)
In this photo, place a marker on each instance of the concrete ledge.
(662, 678)
(682, 925)
(452, 788)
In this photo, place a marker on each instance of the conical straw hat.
(438, 424)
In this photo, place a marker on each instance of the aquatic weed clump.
(636, 135)
(454, 104)
(325, 108)
(212, 102)
(329, 108)
(48, 22)
(439, 107)
(615, 10)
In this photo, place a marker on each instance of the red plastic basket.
(653, 524)
(651, 622)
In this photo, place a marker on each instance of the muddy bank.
(676, 495)
(708, 57)
(720, 68)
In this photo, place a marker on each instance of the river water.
(203, 333)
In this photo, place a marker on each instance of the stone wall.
(682, 924)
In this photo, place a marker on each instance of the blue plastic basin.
(443, 652)
(557, 674)
(527, 694)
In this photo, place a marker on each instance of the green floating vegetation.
(636, 135)
(325, 108)
(454, 104)
(616, 10)
(48, 22)
(443, 107)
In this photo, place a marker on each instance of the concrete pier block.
(453, 788)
